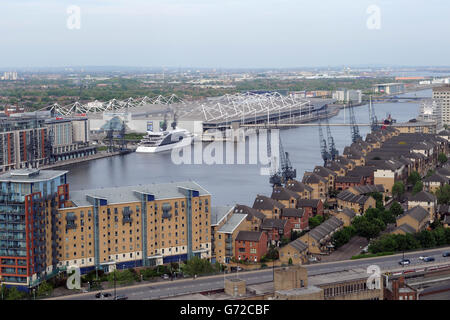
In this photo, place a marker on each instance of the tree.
(413, 178)
(196, 266)
(442, 158)
(396, 209)
(45, 289)
(315, 221)
(417, 187)
(398, 189)
(290, 261)
(14, 294)
(343, 236)
(443, 194)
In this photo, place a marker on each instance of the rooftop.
(218, 213)
(232, 223)
(31, 175)
(127, 194)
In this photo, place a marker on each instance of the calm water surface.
(229, 184)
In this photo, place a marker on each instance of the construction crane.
(323, 145)
(372, 117)
(333, 152)
(353, 128)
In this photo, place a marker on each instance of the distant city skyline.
(244, 34)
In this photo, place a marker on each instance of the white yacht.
(164, 141)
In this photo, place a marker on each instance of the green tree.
(315, 221)
(414, 177)
(14, 294)
(290, 261)
(398, 189)
(426, 239)
(442, 158)
(396, 209)
(443, 194)
(343, 236)
(197, 266)
(417, 187)
(45, 289)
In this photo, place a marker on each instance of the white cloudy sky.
(224, 33)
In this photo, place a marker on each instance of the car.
(121, 297)
(98, 295)
(446, 254)
(428, 259)
(404, 262)
(107, 294)
(422, 257)
(165, 276)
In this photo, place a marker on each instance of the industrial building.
(389, 88)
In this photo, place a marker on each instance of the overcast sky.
(224, 33)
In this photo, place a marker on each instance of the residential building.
(441, 96)
(295, 252)
(297, 218)
(415, 219)
(145, 225)
(311, 207)
(250, 245)
(346, 216)
(270, 207)
(30, 225)
(276, 229)
(318, 239)
(425, 200)
(303, 190)
(389, 88)
(318, 184)
(357, 203)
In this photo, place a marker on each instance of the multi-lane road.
(201, 284)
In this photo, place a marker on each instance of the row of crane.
(329, 152)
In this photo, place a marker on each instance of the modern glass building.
(29, 202)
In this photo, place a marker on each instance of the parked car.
(98, 295)
(107, 294)
(404, 262)
(446, 254)
(121, 297)
(428, 259)
(422, 257)
(165, 276)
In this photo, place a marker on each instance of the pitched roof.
(302, 203)
(298, 186)
(239, 208)
(292, 212)
(266, 203)
(366, 171)
(324, 172)
(269, 224)
(324, 229)
(298, 245)
(218, 213)
(443, 208)
(369, 188)
(312, 178)
(423, 196)
(280, 193)
(349, 213)
(349, 179)
(233, 222)
(350, 197)
(249, 236)
(436, 177)
(406, 228)
(418, 213)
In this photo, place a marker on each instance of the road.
(160, 290)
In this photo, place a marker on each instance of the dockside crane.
(353, 128)
(275, 176)
(333, 152)
(284, 171)
(323, 145)
(372, 117)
